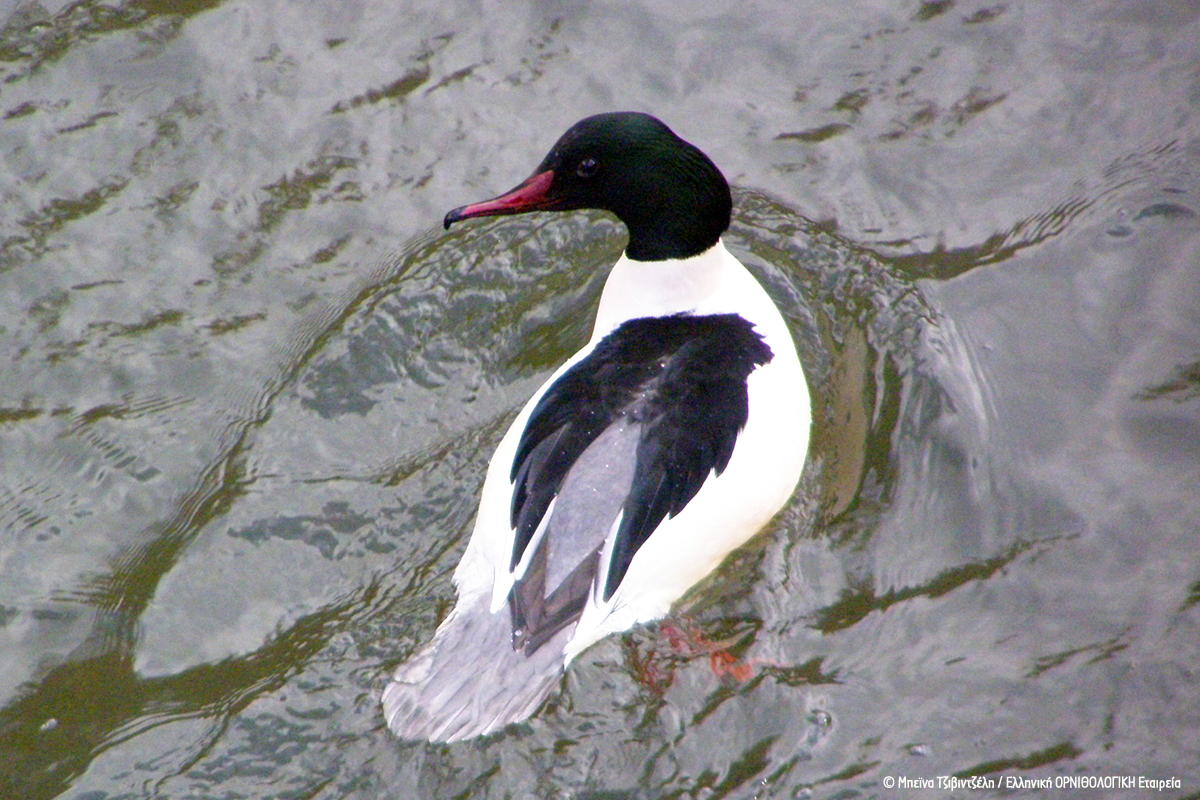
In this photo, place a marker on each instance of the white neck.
(713, 282)
(657, 288)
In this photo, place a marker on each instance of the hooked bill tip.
(531, 195)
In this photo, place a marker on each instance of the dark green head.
(671, 197)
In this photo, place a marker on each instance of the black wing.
(674, 387)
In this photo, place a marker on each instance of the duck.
(671, 438)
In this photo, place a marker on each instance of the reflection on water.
(248, 403)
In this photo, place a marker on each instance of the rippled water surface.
(250, 390)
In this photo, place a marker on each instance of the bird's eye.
(587, 168)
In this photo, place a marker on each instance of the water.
(251, 389)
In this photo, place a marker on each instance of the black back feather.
(682, 379)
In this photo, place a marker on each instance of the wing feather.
(622, 440)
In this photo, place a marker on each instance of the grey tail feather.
(469, 681)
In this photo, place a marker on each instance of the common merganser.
(670, 439)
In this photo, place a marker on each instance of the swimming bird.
(671, 438)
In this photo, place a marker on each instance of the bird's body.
(671, 438)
